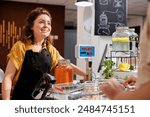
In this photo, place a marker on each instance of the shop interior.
(95, 42)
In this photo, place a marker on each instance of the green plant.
(108, 68)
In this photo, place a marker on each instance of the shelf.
(119, 57)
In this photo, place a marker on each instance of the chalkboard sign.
(109, 14)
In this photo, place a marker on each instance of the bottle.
(120, 39)
(64, 72)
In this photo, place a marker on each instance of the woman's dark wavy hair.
(27, 33)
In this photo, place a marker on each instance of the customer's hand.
(112, 88)
(131, 80)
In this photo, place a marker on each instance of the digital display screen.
(87, 51)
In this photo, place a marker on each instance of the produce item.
(124, 66)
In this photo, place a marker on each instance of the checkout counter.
(89, 90)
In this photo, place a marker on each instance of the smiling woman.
(41, 29)
(31, 57)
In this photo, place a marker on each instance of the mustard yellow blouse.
(17, 55)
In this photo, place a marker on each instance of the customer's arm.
(7, 81)
(142, 93)
(114, 90)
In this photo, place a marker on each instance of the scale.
(87, 52)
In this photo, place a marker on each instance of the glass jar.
(64, 72)
(120, 39)
(133, 39)
(91, 90)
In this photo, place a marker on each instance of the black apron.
(35, 64)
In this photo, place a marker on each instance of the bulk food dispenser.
(120, 39)
(124, 51)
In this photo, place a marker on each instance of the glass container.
(120, 39)
(133, 40)
(64, 72)
(91, 91)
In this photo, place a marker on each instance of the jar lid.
(64, 61)
(122, 28)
